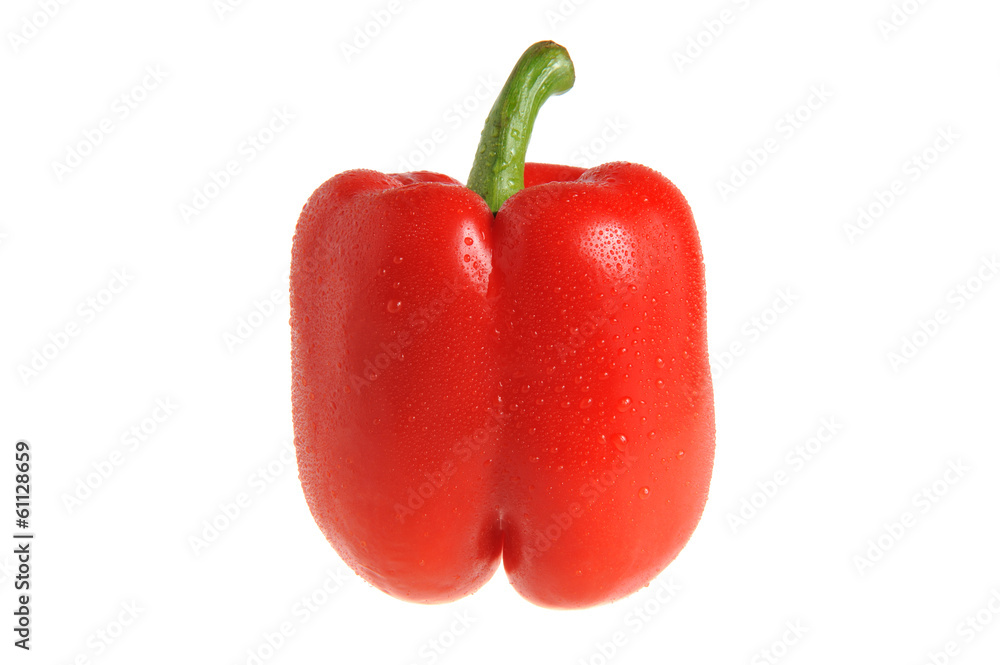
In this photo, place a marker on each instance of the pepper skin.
(531, 385)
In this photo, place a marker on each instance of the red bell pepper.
(516, 368)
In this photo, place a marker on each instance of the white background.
(804, 558)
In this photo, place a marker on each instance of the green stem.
(498, 172)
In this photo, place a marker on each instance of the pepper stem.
(498, 172)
